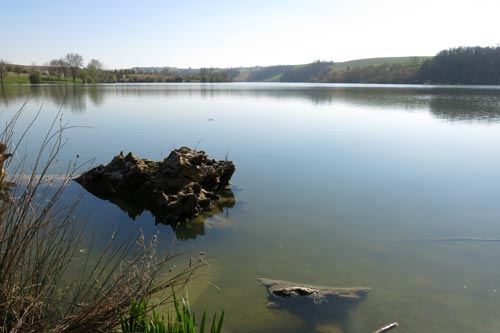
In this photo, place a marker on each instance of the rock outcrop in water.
(180, 187)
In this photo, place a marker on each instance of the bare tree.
(59, 67)
(94, 63)
(53, 70)
(74, 61)
(63, 66)
(18, 70)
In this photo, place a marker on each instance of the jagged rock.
(180, 187)
(287, 292)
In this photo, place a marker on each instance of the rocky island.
(182, 186)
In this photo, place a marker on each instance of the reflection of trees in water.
(96, 95)
(467, 105)
(76, 99)
(73, 96)
(481, 104)
(13, 92)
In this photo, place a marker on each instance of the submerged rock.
(180, 187)
(288, 292)
(322, 309)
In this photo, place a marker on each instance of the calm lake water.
(336, 185)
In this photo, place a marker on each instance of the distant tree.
(83, 75)
(63, 66)
(59, 67)
(35, 77)
(3, 70)
(203, 74)
(52, 68)
(94, 69)
(463, 65)
(74, 61)
(95, 64)
(18, 70)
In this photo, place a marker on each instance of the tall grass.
(183, 320)
(46, 282)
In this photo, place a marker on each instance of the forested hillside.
(463, 65)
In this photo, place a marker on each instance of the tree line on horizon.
(71, 68)
(462, 65)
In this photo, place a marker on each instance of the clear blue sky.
(195, 33)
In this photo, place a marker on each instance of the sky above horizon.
(220, 33)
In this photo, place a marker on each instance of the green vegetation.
(463, 65)
(315, 72)
(182, 321)
(12, 78)
(399, 72)
(360, 63)
(92, 74)
(35, 78)
(271, 73)
(3, 71)
(375, 70)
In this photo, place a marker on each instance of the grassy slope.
(13, 78)
(275, 78)
(340, 66)
(243, 76)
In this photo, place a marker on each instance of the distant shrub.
(35, 78)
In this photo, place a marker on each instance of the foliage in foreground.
(182, 321)
(47, 283)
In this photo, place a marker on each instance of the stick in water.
(387, 328)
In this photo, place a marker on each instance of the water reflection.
(467, 105)
(444, 102)
(331, 191)
(331, 317)
(183, 231)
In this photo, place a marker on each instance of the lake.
(337, 185)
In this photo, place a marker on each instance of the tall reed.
(46, 283)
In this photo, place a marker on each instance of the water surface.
(336, 185)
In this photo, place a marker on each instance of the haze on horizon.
(220, 33)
